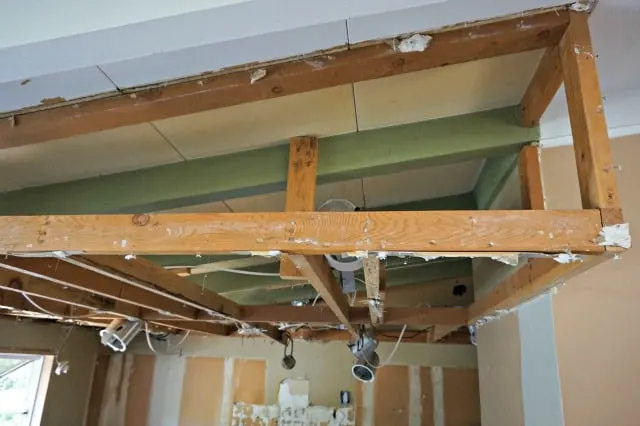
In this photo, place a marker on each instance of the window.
(23, 383)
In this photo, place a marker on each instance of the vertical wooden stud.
(531, 188)
(301, 187)
(596, 173)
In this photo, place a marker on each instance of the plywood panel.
(202, 389)
(392, 396)
(461, 397)
(106, 152)
(257, 124)
(249, 378)
(426, 397)
(446, 91)
(139, 392)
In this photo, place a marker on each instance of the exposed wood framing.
(301, 187)
(306, 233)
(542, 88)
(462, 44)
(320, 275)
(529, 281)
(374, 277)
(596, 172)
(217, 178)
(324, 315)
(531, 188)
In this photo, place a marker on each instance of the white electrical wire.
(146, 332)
(255, 273)
(395, 348)
(53, 314)
(177, 345)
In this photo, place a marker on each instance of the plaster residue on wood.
(293, 408)
(615, 235)
(258, 74)
(415, 43)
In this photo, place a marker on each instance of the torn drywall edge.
(258, 74)
(568, 258)
(294, 393)
(583, 6)
(615, 235)
(414, 43)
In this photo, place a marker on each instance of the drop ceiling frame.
(97, 244)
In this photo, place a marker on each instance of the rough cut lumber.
(531, 178)
(141, 270)
(461, 44)
(60, 273)
(305, 233)
(529, 281)
(320, 275)
(301, 187)
(374, 283)
(596, 172)
(170, 186)
(542, 88)
(324, 315)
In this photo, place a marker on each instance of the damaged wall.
(597, 344)
(199, 385)
(68, 395)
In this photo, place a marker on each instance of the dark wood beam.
(465, 43)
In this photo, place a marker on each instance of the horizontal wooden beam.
(358, 315)
(235, 175)
(529, 281)
(552, 231)
(62, 274)
(371, 61)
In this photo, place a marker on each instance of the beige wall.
(595, 314)
(67, 396)
(198, 383)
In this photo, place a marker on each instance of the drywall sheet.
(392, 396)
(202, 389)
(139, 392)
(249, 378)
(461, 396)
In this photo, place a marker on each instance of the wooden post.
(374, 282)
(596, 173)
(301, 187)
(531, 188)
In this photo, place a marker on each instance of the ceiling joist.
(360, 63)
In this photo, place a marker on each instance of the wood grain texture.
(531, 188)
(151, 274)
(139, 392)
(596, 175)
(457, 45)
(301, 187)
(391, 396)
(320, 275)
(127, 297)
(532, 279)
(372, 280)
(359, 315)
(306, 233)
(461, 396)
(249, 381)
(543, 86)
(202, 388)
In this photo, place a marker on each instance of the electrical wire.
(177, 345)
(414, 335)
(146, 332)
(53, 314)
(395, 348)
(255, 273)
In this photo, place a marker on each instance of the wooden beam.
(197, 326)
(305, 233)
(370, 61)
(531, 178)
(596, 172)
(320, 275)
(63, 274)
(148, 273)
(301, 187)
(360, 315)
(542, 88)
(374, 285)
(217, 178)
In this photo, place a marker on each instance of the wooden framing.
(97, 276)
(301, 187)
(374, 278)
(367, 62)
(306, 233)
